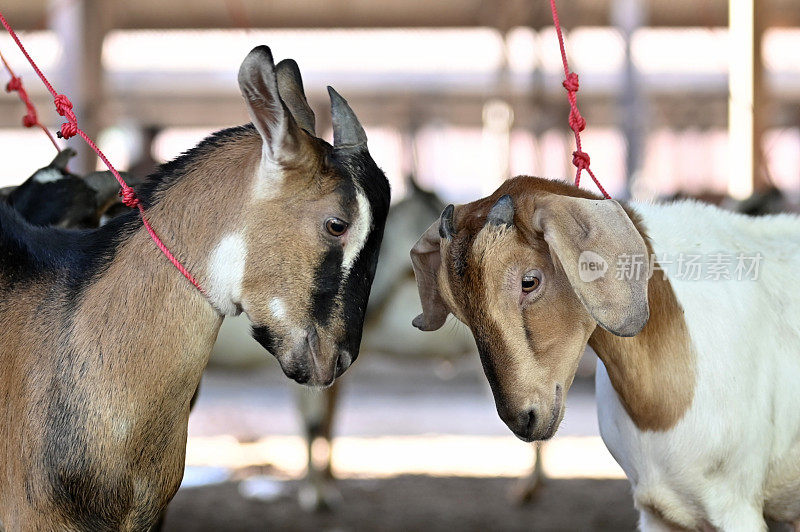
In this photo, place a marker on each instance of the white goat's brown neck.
(653, 372)
(471, 263)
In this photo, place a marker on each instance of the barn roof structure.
(100, 40)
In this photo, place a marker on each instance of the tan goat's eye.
(530, 282)
(335, 226)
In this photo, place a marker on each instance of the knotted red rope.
(70, 129)
(576, 122)
(31, 118)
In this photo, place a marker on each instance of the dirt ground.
(415, 503)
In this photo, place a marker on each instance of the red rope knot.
(63, 105)
(571, 83)
(68, 130)
(576, 121)
(581, 159)
(129, 197)
(14, 84)
(30, 119)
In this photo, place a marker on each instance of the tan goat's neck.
(141, 327)
(653, 372)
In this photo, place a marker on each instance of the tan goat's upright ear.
(290, 88)
(426, 258)
(603, 255)
(259, 85)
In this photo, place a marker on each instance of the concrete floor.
(421, 409)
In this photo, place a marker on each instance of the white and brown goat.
(697, 383)
(103, 342)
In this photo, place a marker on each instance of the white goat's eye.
(531, 281)
(335, 226)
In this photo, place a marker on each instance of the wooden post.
(747, 98)
(81, 26)
(761, 99)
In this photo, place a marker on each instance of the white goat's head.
(509, 267)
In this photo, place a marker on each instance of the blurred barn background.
(682, 97)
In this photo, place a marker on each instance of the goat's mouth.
(555, 415)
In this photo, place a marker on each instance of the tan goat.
(103, 342)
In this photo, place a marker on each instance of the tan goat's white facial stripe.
(359, 231)
(226, 272)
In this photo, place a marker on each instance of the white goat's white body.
(735, 454)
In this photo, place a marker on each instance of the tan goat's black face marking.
(314, 228)
(308, 310)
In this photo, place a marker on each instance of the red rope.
(70, 129)
(31, 118)
(576, 122)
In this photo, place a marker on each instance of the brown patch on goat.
(653, 372)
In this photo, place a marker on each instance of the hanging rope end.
(14, 84)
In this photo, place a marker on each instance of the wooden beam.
(81, 26)
(197, 14)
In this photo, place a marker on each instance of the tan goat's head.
(313, 227)
(512, 267)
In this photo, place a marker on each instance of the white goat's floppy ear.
(259, 86)
(426, 259)
(590, 238)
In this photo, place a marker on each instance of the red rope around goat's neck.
(576, 122)
(70, 129)
(31, 118)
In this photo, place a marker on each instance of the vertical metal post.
(628, 16)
